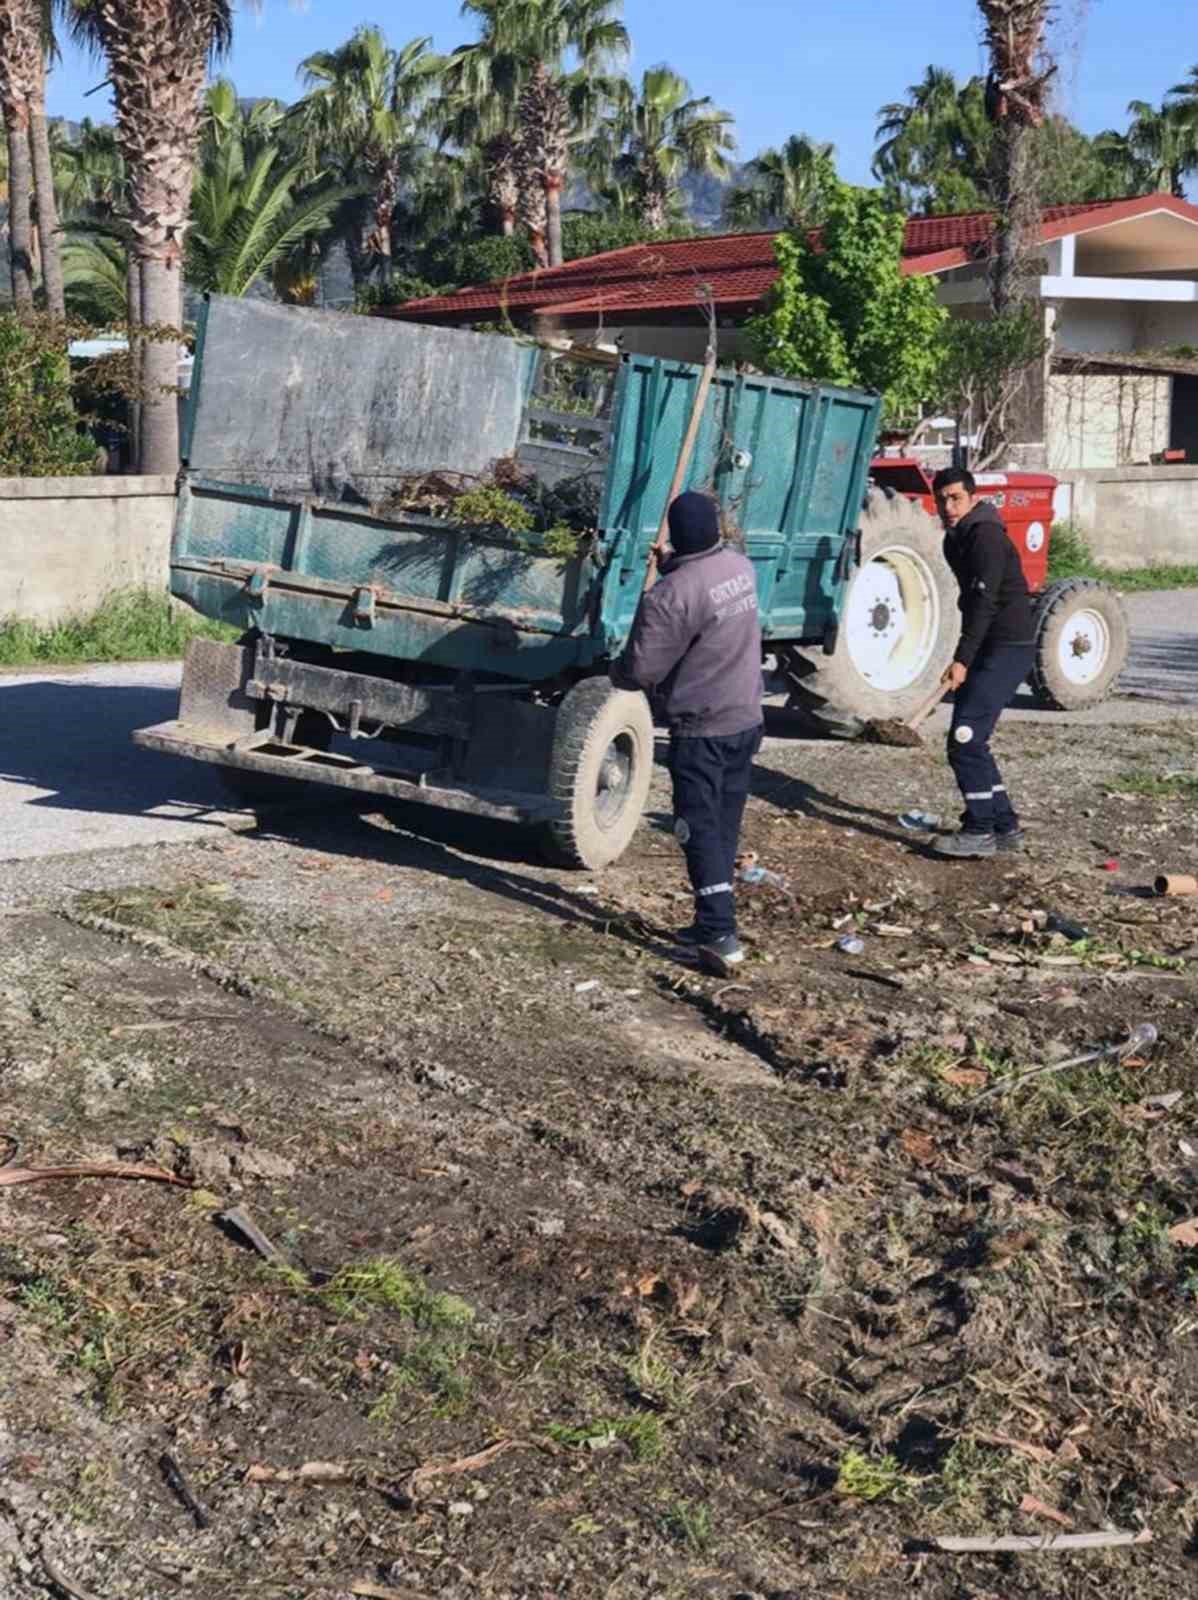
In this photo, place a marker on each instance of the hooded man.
(695, 649)
(994, 656)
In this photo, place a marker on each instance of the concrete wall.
(1098, 419)
(65, 543)
(1134, 516)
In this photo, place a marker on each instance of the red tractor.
(900, 621)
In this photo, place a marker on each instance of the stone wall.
(1134, 516)
(66, 543)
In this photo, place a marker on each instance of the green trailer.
(411, 657)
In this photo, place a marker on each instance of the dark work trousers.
(711, 786)
(981, 700)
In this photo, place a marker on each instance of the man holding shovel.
(695, 649)
(993, 658)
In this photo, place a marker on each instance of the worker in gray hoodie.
(695, 649)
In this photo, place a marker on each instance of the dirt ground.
(591, 1276)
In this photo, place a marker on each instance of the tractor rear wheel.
(600, 771)
(1081, 644)
(898, 624)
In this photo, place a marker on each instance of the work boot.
(722, 956)
(1010, 843)
(966, 846)
(690, 937)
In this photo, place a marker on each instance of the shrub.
(39, 429)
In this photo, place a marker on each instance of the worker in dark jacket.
(695, 648)
(993, 658)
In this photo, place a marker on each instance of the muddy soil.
(590, 1276)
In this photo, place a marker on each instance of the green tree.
(96, 276)
(361, 114)
(788, 186)
(39, 433)
(26, 42)
(656, 134)
(845, 312)
(933, 148)
(253, 206)
(522, 55)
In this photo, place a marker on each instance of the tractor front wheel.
(1081, 644)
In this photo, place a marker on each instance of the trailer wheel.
(898, 624)
(1081, 644)
(600, 771)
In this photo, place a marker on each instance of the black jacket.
(995, 606)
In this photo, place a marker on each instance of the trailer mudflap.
(263, 753)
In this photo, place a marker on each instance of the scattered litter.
(633, 994)
(9, 1175)
(1142, 1037)
(173, 1474)
(1070, 930)
(587, 987)
(1055, 1541)
(239, 1219)
(587, 888)
(892, 930)
(461, 1508)
(1175, 885)
(1108, 866)
(851, 945)
(919, 821)
(762, 875)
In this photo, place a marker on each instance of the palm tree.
(251, 208)
(360, 112)
(157, 53)
(480, 122)
(522, 53)
(786, 187)
(653, 137)
(933, 148)
(95, 274)
(1160, 147)
(1014, 33)
(90, 175)
(22, 68)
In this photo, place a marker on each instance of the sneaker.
(966, 846)
(722, 956)
(1010, 843)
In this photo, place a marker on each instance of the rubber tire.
(829, 688)
(1054, 607)
(253, 789)
(590, 717)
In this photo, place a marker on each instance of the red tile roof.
(739, 267)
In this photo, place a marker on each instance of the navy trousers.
(981, 700)
(711, 785)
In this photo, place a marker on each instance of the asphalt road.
(71, 779)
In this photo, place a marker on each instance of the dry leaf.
(694, 1187)
(685, 1292)
(1037, 1508)
(966, 1076)
(778, 1231)
(1068, 1451)
(310, 1472)
(1182, 1233)
(919, 1146)
(1008, 1245)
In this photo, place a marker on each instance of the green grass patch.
(1069, 556)
(643, 1434)
(688, 1522)
(385, 1285)
(133, 625)
(433, 1370)
(1156, 786)
(863, 1477)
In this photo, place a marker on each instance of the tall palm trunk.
(157, 56)
(503, 181)
(136, 349)
(20, 63)
(532, 199)
(46, 205)
(20, 199)
(545, 131)
(385, 195)
(1015, 95)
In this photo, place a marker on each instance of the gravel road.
(71, 780)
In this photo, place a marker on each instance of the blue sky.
(781, 66)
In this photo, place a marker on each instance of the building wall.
(1134, 516)
(65, 543)
(1097, 419)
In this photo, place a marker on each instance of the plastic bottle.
(851, 945)
(761, 875)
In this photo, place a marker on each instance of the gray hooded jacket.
(695, 645)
